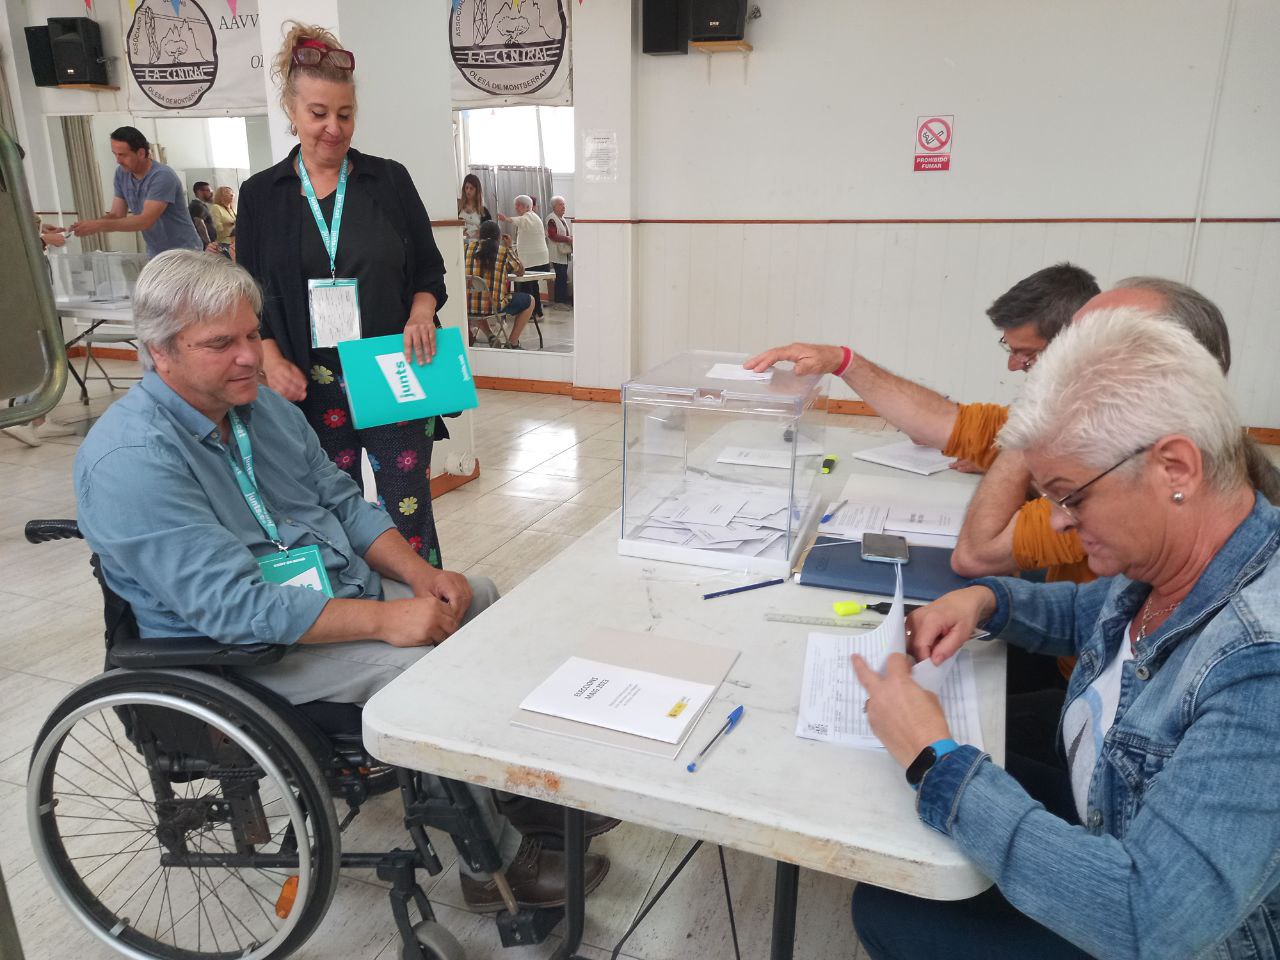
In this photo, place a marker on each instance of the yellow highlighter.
(847, 608)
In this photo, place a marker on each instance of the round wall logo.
(172, 52)
(515, 51)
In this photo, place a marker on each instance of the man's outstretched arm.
(924, 415)
(985, 545)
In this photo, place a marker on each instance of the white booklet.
(620, 698)
(735, 371)
(907, 456)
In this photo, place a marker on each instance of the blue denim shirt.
(157, 500)
(1179, 855)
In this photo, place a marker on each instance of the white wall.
(1091, 110)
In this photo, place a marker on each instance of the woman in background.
(471, 209)
(224, 217)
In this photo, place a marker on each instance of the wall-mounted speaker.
(41, 54)
(665, 26)
(718, 20)
(77, 50)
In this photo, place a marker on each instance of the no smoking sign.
(933, 141)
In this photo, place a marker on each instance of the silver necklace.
(1151, 614)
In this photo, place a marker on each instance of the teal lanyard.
(249, 482)
(328, 234)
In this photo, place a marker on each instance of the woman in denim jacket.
(1153, 831)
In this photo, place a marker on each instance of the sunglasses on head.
(311, 53)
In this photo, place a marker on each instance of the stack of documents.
(907, 456)
(732, 519)
(832, 701)
(640, 692)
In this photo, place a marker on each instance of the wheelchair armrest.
(40, 531)
(190, 652)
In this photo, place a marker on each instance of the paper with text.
(907, 456)
(853, 520)
(619, 698)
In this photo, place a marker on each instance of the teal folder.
(383, 387)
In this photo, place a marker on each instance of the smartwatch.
(927, 757)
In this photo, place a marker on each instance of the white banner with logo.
(197, 59)
(510, 52)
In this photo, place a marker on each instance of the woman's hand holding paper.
(935, 632)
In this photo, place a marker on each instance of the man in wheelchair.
(215, 513)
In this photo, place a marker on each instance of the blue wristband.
(940, 749)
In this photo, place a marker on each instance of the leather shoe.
(539, 818)
(536, 876)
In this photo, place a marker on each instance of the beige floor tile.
(478, 935)
(507, 457)
(455, 502)
(490, 478)
(572, 519)
(25, 703)
(600, 448)
(505, 579)
(614, 432)
(54, 639)
(13, 769)
(51, 571)
(529, 548)
(463, 542)
(544, 487)
(605, 492)
(502, 510)
(48, 453)
(574, 432)
(572, 464)
(15, 852)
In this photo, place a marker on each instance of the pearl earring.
(1178, 496)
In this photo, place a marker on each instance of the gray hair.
(555, 198)
(1117, 382)
(526, 200)
(1193, 310)
(180, 287)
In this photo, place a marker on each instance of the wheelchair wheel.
(178, 816)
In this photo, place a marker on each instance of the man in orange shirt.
(1028, 315)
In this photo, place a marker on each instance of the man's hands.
(964, 466)
(938, 630)
(809, 358)
(905, 716)
(85, 228)
(420, 622)
(283, 377)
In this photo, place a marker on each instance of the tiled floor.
(557, 330)
(550, 471)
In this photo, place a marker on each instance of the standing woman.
(341, 236)
(471, 209)
(224, 217)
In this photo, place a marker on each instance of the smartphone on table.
(884, 548)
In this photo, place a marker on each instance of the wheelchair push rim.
(150, 903)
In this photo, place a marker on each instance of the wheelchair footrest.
(528, 926)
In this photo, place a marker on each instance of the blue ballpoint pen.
(826, 517)
(728, 725)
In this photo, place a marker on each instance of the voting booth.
(720, 465)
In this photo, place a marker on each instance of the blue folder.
(838, 565)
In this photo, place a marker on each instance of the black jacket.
(269, 243)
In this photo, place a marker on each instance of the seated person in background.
(1157, 836)
(492, 261)
(531, 245)
(1029, 314)
(193, 485)
(1004, 532)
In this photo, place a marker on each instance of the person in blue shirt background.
(149, 199)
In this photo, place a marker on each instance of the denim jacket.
(1179, 854)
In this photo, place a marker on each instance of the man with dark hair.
(1029, 314)
(201, 218)
(149, 199)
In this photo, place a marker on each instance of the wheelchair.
(182, 811)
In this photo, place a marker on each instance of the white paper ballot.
(853, 520)
(618, 698)
(732, 371)
(761, 457)
(692, 508)
(905, 520)
(832, 699)
(907, 456)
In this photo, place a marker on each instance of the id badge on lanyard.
(299, 567)
(333, 302)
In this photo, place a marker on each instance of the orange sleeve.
(973, 438)
(1037, 545)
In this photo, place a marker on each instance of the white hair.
(526, 200)
(180, 287)
(556, 198)
(1117, 381)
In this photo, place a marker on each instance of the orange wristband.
(844, 364)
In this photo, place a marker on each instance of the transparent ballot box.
(95, 276)
(719, 471)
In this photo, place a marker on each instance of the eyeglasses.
(1028, 357)
(1070, 504)
(310, 53)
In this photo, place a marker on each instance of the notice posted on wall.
(934, 134)
(600, 155)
